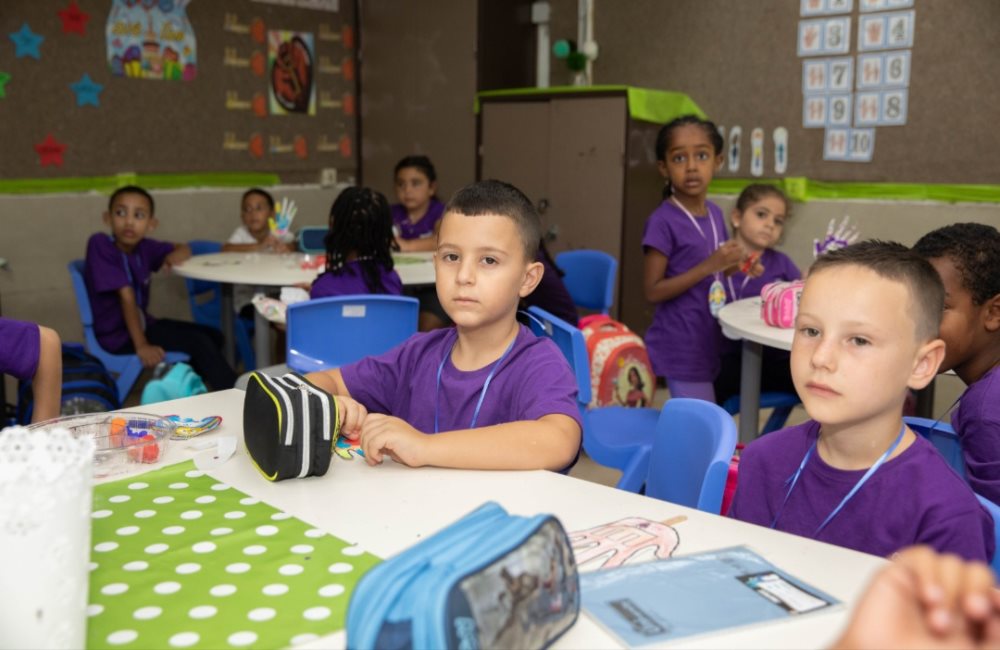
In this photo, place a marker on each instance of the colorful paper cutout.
(151, 40)
(259, 105)
(27, 43)
(74, 21)
(258, 32)
(347, 449)
(290, 61)
(258, 64)
(50, 151)
(87, 91)
(627, 541)
(255, 145)
(186, 428)
(4, 78)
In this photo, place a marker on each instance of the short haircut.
(974, 249)
(423, 163)
(757, 191)
(499, 198)
(264, 193)
(896, 262)
(132, 189)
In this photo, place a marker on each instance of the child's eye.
(702, 155)
(450, 257)
(860, 341)
(490, 261)
(678, 159)
(810, 332)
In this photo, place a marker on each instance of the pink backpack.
(620, 371)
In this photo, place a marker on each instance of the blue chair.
(994, 511)
(944, 439)
(781, 403)
(689, 462)
(331, 332)
(590, 278)
(613, 436)
(205, 299)
(125, 367)
(312, 239)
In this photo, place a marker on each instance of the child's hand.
(150, 355)
(837, 236)
(725, 256)
(180, 253)
(352, 416)
(384, 435)
(756, 269)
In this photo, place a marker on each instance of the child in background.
(358, 247)
(117, 273)
(686, 255)
(494, 395)
(254, 234)
(855, 475)
(758, 220)
(29, 351)
(551, 294)
(967, 256)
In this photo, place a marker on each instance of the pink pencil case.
(780, 303)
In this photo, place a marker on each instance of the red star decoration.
(50, 151)
(73, 20)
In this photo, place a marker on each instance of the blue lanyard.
(857, 486)
(482, 393)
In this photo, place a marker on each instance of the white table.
(404, 505)
(276, 270)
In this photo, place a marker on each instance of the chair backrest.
(312, 239)
(332, 332)
(204, 297)
(590, 278)
(569, 340)
(944, 439)
(693, 446)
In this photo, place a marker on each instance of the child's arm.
(353, 413)
(47, 382)
(421, 244)
(658, 288)
(150, 355)
(180, 253)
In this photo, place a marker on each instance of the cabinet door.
(515, 145)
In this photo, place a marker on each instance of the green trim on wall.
(107, 184)
(645, 104)
(804, 189)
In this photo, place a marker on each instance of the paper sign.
(151, 42)
(814, 109)
(825, 7)
(849, 145)
(780, 138)
(735, 142)
(290, 57)
(757, 152)
(839, 110)
(886, 31)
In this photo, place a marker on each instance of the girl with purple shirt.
(687, 255)
(358, 247)
(33, 353)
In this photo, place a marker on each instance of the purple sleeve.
(977, 422)
(105, 265)
(967, 533)
(373, 381)
(20, 347)
(548, 387)
(157, 251)
(657, 235)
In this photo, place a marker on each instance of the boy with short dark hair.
(495, 395)
(855, 475)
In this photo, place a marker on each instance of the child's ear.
(106, 218)
(991, 314)
(719, 160)
(734, 218)
(532, 276)
(153, 223)
(929, 358)
(662, 167)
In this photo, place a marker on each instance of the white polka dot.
(276, 589)
(166, 588)
(105, 547)
(188, 568)
(177, 486)
(235, 514)
(94, 610)
(208, 498)
(183, 639)
(353, 550)
(267, 531)
(314, 533)
(191, 514)
(122, 636)
(291, 570)
(278, 516)
(101, 514)
(222, 590)
(173, 530)
(238, 567)
(238, 639)
(138, 486)
(145, 514)
(114, 589)
(154, 549)
(162, 500)
(92, 566)
(203, 611)
(255, 549)
(316, 613)
(127, 530)
(340, 567)
(119, 498)
(146, 613)
(220, 531)
(194, 473)
(329, 591)
(299, 639)
(261, 614)
(302, 549)
(249, 501)
(137, 565)
(203, 547)
(219, 487)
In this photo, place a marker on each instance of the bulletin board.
(198, 88)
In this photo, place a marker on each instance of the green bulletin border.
(804, 189)
(107, 184)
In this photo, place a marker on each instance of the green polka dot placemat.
(180, 560)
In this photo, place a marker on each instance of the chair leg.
(777, 419)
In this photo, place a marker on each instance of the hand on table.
(352, 416)
(384, 435)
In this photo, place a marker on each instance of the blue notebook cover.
(695, 594)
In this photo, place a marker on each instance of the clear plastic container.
(120, 439)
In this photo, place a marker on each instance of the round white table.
(277, 270)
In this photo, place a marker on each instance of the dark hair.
(974, 249)
(423, 163)
(755, 192)
(663, 138)
(361, 224)
(898, 263)
(496, 197)
(638, 376)
(256, 190)
(132, 189)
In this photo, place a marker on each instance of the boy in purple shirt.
(29, 351)
(855, 475)
(496, 396)
(117, 272)
(967, 256)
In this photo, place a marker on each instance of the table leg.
(925, 401)
(261, 337)
(750, 391)
(228, 324)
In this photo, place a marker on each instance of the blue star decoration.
(26, 42)
(87, 91)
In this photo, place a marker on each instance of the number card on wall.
(884, 70)
(825, 7)
(882, 5)
(885, 31)
(825, 36)
(827, 75)
(849, 145)
(884, 108)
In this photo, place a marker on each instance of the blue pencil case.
(489, 580)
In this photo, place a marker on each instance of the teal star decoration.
(87, 91)
(26, 42)
(4, 78)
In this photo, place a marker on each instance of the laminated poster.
(290, 63)
(152, 39)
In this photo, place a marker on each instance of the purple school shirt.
(406, 229)
(551, 294)
(20, 347)
(106, 270)
(684, 341)
(977, 422)
(914, 498)
(534, 380)
(777, 267)
(351, 281)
